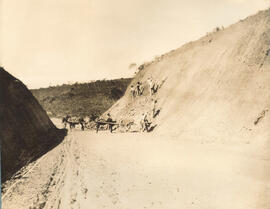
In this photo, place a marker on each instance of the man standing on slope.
(151, 87)
(133, 92)
(154, 108)
(144, 123)
(139, 88)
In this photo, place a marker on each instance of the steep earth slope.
(26, 131)
(217, 87)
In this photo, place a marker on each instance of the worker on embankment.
(154, 110)
(139, 88)
(133, 92)
(144, 123)
(151, 86)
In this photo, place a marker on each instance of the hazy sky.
(45, 42)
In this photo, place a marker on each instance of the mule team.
(73, 121)
(109, 122)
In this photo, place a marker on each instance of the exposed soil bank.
(26, 131)
(217, 87)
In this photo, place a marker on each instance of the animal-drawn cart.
(109, 124)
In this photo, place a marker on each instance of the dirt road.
(121, 171)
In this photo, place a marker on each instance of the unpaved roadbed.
(89, 170)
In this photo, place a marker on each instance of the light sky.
(49, 42)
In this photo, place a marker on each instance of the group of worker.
(109, 122)
(137, 90)
(144, 122)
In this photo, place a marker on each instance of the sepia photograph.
(135, 104)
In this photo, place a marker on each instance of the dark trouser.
(98, 125)
(139, 91)
(110, 127)
(82, 126)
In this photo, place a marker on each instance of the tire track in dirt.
(48, 196)
(74, 190)
(54, 201)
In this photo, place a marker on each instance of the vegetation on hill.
(81, 99)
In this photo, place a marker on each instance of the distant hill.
(81, 99)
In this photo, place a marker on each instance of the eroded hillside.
(216, 87)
